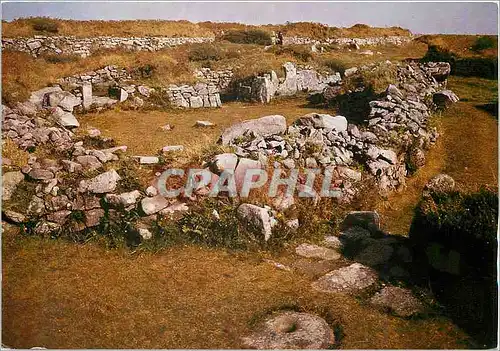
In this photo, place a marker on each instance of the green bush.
(300, 52)
(205, 52)
(484, 42)
(436, 53)
(462, 229)
(43, 24)
(55, 58)
(335, 66)
(466, 223)
(252, 36)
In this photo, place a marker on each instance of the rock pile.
(84, 47)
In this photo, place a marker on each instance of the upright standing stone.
(87, 95)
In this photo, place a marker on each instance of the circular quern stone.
(292, 330)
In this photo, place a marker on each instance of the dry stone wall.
(84, 47)
(372, 41)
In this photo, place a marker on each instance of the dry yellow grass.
(458, 44)
(126, 126)
(62, 295)
(22, 74)
(23, 28)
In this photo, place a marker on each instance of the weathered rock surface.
(399, 301)
(263, 126)
(349, 280)
(292, 330)
(103, 183)
(10, 181)
(314, 251)
(152, 205)
(255, 217)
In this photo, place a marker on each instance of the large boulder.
(263, 126)
(308, 81)
(64, 100)
(38, 97)
(319, 120)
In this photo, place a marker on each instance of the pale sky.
(419, 17)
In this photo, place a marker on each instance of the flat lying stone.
(376, 253)
(13, 216)
(204, 124)
(399, 301)
(171, 148)
(348, 280)
(314, 251)
(148, 160)
(292, 330)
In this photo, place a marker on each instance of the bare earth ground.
(63, 295)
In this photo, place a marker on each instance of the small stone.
(204, 124)
(145, 233)
(152, 205)
(333, 242)
(171, 148)
(40, 174)
(166, 127)
(147, 160)
(89, 162)
(175, 208)
(151, 191)
(93, 217)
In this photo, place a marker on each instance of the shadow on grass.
(491, 108)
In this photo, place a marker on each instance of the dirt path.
(467, 150)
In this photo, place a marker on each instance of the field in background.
(24, 27)
(22, 73)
